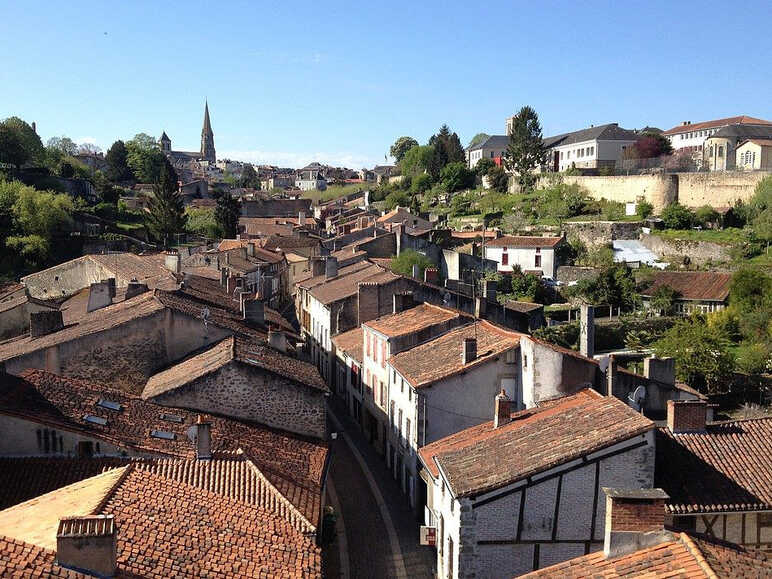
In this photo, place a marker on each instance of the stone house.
(720, 150)
(524, 491)
(754, 155)
(531, 254)
(717, 474)
(15, 309)
(637, 543)
(493, 148)
(246, 380)
(695, 291)
(401, 215)
(692, 136)
(276, 208)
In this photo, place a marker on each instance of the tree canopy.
(478, 138)
(404, 262)
(401, 146)
(447, 149)
(456, 176)
(249, 177)
(227, 214)
(64, 145)
(19, 143)
(166, 213)
(117, 162)
(417, 160)
(144, 158)
(526, 151)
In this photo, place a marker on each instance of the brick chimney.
(659, 369)
(317, 266)
(253, 311)
(403, 301)
(686, 415)
(587, 330)
(173, 261)
(468, 350)
(45, 322)
(502, 409)
(134, 288)
(99, 296)
(431, 275)
(277, 340)
(203, 438)
(88, 544)
(635, 519)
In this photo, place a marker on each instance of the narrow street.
(381, 531)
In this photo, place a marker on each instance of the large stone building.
(184, 161)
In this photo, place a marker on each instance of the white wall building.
(491, 148)
(531, 254)
(592, 148)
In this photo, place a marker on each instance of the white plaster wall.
(525, 258)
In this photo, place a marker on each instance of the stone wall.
(717, 189)
(381, 246)
(65, 279)
(659, 190)
(594, 233)
(698, 252)
(377, 299)
(242, 391)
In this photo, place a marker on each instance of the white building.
(531, 254)
(524, 491)
(311, 177)
(494, 147)
(591, 148)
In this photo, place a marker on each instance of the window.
(383, 354)
(525, 361)
(491, 154)
(561, 155)
(711, 150)
(505, 257)
(95, 419)
(409, 393)
(407, 431)
(391, 414)
(537, 258)
(399, 422)
(163, 434)
(510, 357)
(109, 404)
(171, 418)
(720, 151)
(383, 395)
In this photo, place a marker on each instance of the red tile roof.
(692, 285)
(440, 358)
(760, 142)
(293, 464)
(684, 557)
(523, 241)
(346, 285)
(351, 343)
(483, 458)
(413, 319)
(167, 528)
(741, 120)
(725, 468)
(227, 351)
(285, 243)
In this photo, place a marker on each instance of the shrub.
(644, 209)
(706, 215)
(676, 216)
(404, 262)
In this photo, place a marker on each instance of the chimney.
(468, 350)
(611, 375)
(243, 252)
(431, 275)
(251, 249)
(243, 297)
(98, 296)
(111, 285)
(659, 369)
(254, 311)
(330, 267)
(686, 415)
(416, 271)
(502, 411)
(34, 127)
(135, 288)
(479, 307)
(317, 266)
(489, 289)
(231, 284)
(587, 330)
(635, 519)
(301, 218)
(203, 438)
(403, 301)
(224, 277)
(227, 257)
(277, 340)
(45, 322)
(88, 544)
(172, 261)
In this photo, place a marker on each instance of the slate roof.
(692, 285)
(293, 464)
(716, 123)
(608, 132)
(413, 319)
(440, 358)
(686, 556)
(158, 518)
(760, 142)
(492, 142)
(351, 343)
(728, 467)
(744, 131)
(518, 241)
(483, 458)
(229, 350)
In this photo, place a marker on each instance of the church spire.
(207, 137)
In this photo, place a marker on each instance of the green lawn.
(334, 192)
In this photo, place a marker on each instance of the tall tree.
(417, 160)
(166, 212)
(25, 137)
(145, 158)
(118, 167)
(12, 149)
(64, 145)
(447, 149)
(478, 138)
(227, 214)
(526, 150)
(249, 177)
(402, 146)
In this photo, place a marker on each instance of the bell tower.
(207, 138)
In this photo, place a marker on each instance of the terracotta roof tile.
(413, 319)
(725, 468)
(483, 458)
(293, 464)
(283, 243)
(351, 343)
(346, 285)
(693, 285)
(523, 241)
(441, 357)
(743, 120)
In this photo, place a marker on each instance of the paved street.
(381, 530)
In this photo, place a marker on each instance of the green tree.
(483, 166)
(144, 158)
(676, 216)
(249, 177)
(117, 162)
(29, 139)
(404, 262)
(644, 209)
(498, 179)
(421, 183)
(614, 285)
(477, 139)
(65, 145)
(526, 151)
(202, 221)
(66, 169)
(663, 300)
(702, 357)
(401, 146)
(12, 150)
(706, 216)
(447, 149)
(166, 213)
(227, 214)
(417, 160)
(455, 177)
(397, 198)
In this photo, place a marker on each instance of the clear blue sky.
(295, 81)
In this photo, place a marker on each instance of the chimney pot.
(431, 275)
(502, 412)
(134, 288)
(173, 261)
(99, 296)
(686, 415)
(203, 438)
(224, 277)
(635, 518)
(659, 369)
(251, 249)
(88, 543)
(611, 375)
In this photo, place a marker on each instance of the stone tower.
(207, 138)
(166, 143)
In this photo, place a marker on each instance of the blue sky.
(291, 82)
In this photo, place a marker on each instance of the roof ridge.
(128, 469)
(695, 552)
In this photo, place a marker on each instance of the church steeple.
(207, 138)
